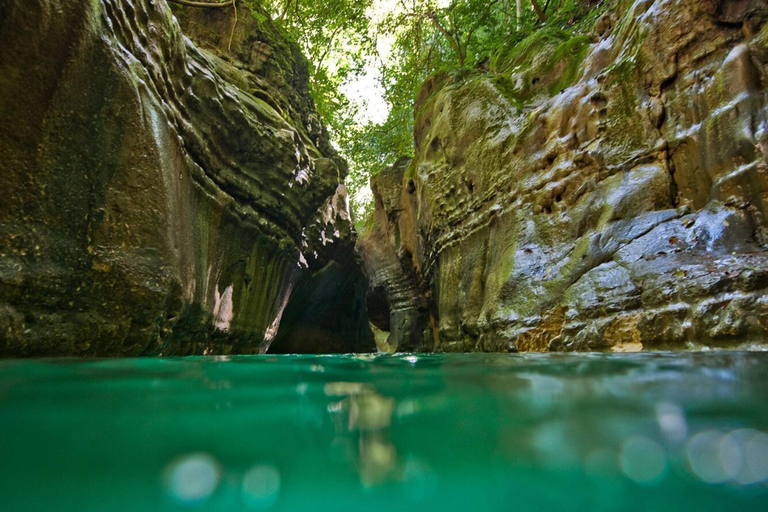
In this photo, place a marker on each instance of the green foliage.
(465, 34)
(509, 57)
(334, 35)
(479, 35)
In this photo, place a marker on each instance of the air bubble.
(192, 478)
(261, 486)
(642, 460)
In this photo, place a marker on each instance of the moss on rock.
(164, 194)
(593, 192)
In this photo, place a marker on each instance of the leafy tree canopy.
(340, 38)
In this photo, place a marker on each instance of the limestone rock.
(396, 304)
(162, 192)
(604, 193)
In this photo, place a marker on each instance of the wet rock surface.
(603, 192)
(398, 299)
(167, 184)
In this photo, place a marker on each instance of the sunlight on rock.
(627, 347)
(192, 478)
(223, 311)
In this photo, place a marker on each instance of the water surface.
(636, 432)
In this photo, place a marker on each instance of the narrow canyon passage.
(377, 255)
(171, 189)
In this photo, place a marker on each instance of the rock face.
(398, 298)
(163, 194)
(603, 192)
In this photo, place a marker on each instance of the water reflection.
(672, 422)
(411, 432)
(364, 417)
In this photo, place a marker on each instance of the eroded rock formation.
(588, 193)
(398, 299)
(162, 193)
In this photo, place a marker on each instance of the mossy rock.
(162, 190)
(542, 65)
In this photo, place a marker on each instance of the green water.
(343, 433)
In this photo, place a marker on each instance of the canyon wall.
(603, 191)
(168, 187)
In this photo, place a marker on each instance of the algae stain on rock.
(596, 192)
(152, 167)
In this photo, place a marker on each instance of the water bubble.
(411, 359)
(642, 459)
(261, 486)
(192, 478)
(754, 450)
(740, 456)
(729, 452)
(704, 457)
(671, 419)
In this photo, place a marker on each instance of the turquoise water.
(636, 432)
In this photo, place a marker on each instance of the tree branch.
(539, 12)
(481, 19)
(451, 39)
(285, 9)
(328, 47)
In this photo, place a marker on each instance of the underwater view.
(636, 432)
